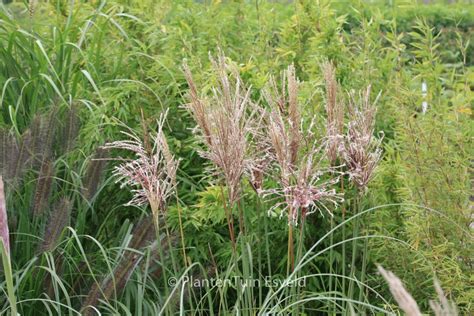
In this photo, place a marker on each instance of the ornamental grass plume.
(400, 294)
(408, 304)
(297, 157)
(151, 173)
(443, 307)
(225, 121)
(334, 112)
(296, 153)
(361, 151)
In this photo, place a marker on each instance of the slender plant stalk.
(301, 237)
(7, 268)
(161, 253)
(267, 244)
(355, 234)
(365, 254)
(5, 250)
(230, 221)
(181, 232)
(291, 260)
(343, 238)
(241, 217)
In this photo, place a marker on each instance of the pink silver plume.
(362, 150)
(295, 153)
(152, 173)
(334, 112)
(224, 123)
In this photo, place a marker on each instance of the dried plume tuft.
(362, 150)
(334, 112)
(151, 174)
(224, 123)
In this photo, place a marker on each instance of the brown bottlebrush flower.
(4, 232)
(43, 187)
(362, 150)
(400, 294)
(300, 172)
(223, 123)
(334, 112)
(24, 154)
(94, 173)
(151, 174)
(71, 128)
(15, 154)
(10, 152)
(43, 130)
(58, 220)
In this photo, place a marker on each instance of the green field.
(244, 157)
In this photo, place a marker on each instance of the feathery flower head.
(224, 123)
(152, 174)
(295, 153)
(361, 150)
(334, 112)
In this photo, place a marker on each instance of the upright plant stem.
(291, 259)
(364, 266)
(267, 245)
(160, 249)
(7, 268)
(364, 261)
(331, 257)
(181, 232)
(241, 218)
(355, 233)
(301, 238)
(230, 221)
(343, 238)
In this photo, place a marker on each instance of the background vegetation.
(73, 74)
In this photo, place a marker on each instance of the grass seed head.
(361, 150)
(152, 175)
(224, 123)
